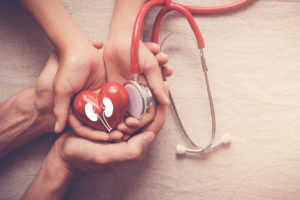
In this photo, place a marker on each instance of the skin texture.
(72, 154)
(76, 53)
(22, 120)
(47, 78)
(29, 113)
(117, 60)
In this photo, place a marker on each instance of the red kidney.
(103, 111)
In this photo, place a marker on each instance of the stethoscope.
(142, 94)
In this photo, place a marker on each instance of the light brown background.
(253, 56)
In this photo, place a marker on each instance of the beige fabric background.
(253, 56)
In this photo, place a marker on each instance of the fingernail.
(148, 139)
(56, 127)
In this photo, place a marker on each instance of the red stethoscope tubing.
(187, 11)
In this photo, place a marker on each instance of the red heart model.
(103, 111)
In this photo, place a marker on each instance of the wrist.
(45, 120)
(124, 15)
(57, 170)
(39, 116)
(75, 44)
(52, 181)
(21, 121)
(117, 35)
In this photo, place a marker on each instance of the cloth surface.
(253, 58)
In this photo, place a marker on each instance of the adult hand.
(71, 155)
(79, 154)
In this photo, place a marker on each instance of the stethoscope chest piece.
(140, 98)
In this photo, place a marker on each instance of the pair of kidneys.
(105, 110)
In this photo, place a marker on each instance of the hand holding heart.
(119, 71)
(152, 64)
(45, 95)
(95, 155)
(72, 154)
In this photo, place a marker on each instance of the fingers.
(125, 137)
(100, 155)
(131, 125)
(162, 58)
(115, 135)
(62, 100)
(97, 45)
(45, 80)
(160, 116)
(90, 133)
(124, 128)
(132, 122)
(153, 47)
(88, 155)
(155, 80)
(166, 71)
(150, 67)
(66, 83)
(134, 149)
(50, 68)
(139, 144)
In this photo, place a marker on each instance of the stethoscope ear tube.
(187, 12)
(180, 149)
(225, 140)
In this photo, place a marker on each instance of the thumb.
(150, 68)
(138, 144)
(62, 100)
(142, 140)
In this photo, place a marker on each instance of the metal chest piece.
(140, 98)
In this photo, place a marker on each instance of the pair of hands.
(79, 154)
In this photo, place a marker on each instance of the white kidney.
(89, 112)
(108, 107)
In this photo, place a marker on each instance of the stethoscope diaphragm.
(140, 98)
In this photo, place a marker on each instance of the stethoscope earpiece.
(226, 139)
(140, 98)
(180, 149)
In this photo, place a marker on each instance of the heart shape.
(103, 111)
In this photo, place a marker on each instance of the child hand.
(44, 93)
(152, 62)
(77, 68)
